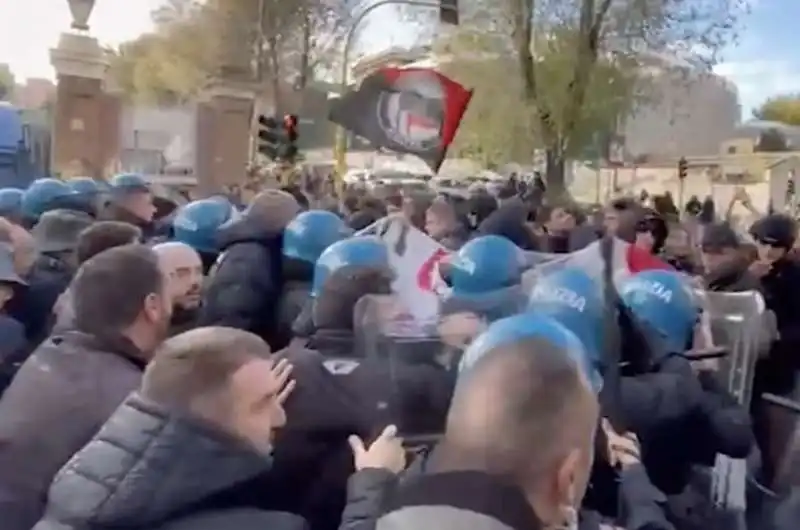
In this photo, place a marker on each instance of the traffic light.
(271, 137)
(290, 128)
(276, 138)
(683, 168)
(448, 12)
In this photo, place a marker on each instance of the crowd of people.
(198, 368)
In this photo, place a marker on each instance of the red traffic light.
(290, 125)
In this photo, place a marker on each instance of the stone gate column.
(85, 128)
(223, 134)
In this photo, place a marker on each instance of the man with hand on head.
(202, 421)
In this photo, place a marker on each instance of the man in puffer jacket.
(248, 281)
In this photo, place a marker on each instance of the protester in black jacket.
(779, 276)
(14, 348)
(243, 291)
(56, 239)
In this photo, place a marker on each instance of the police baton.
(610, 395)
(715, 352)
(784, 403)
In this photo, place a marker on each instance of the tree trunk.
(555, 174)
(305, 54)
(275, 75)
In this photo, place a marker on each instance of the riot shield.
(739, 323)
(418, 361)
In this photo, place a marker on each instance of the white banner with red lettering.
(415, 258)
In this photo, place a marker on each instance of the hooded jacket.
(244, 290)
(148, 469)
(13, 349)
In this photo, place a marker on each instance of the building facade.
(687, 112)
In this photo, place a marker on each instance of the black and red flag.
(406, 110)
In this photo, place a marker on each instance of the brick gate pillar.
(86, 119)
(223, 134)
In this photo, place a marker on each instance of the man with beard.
(71, 384)
(185, 271)
(725, 266)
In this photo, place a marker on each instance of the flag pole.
(340, 146)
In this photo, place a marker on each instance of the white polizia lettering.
(560, 295)
(657, 289)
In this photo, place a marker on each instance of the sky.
(762, 64)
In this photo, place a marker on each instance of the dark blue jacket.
(13, 349)
(244, 291)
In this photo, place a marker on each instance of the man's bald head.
(519, 410)
(184, 268)
(176, 252)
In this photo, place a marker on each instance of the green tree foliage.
(258, 40)
(784, 109)
(500, 126)
(6, 81)
(575, 63)
(496, 129)
(772, 140)
(171, 64)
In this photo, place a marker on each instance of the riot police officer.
(11, 204)
(196, 224)
(669, 400)
(131, 202)
(305, 238)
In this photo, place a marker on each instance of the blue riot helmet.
(41, 196)
(86, 190)
(196, 224)
(222, 199)
(484, 264)
(366, 251)
(307, 236)
(86, 186)
(663, 302)
(526, 326)
(128, 183)
(10, 202)
(131, 192)
(573, 299)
